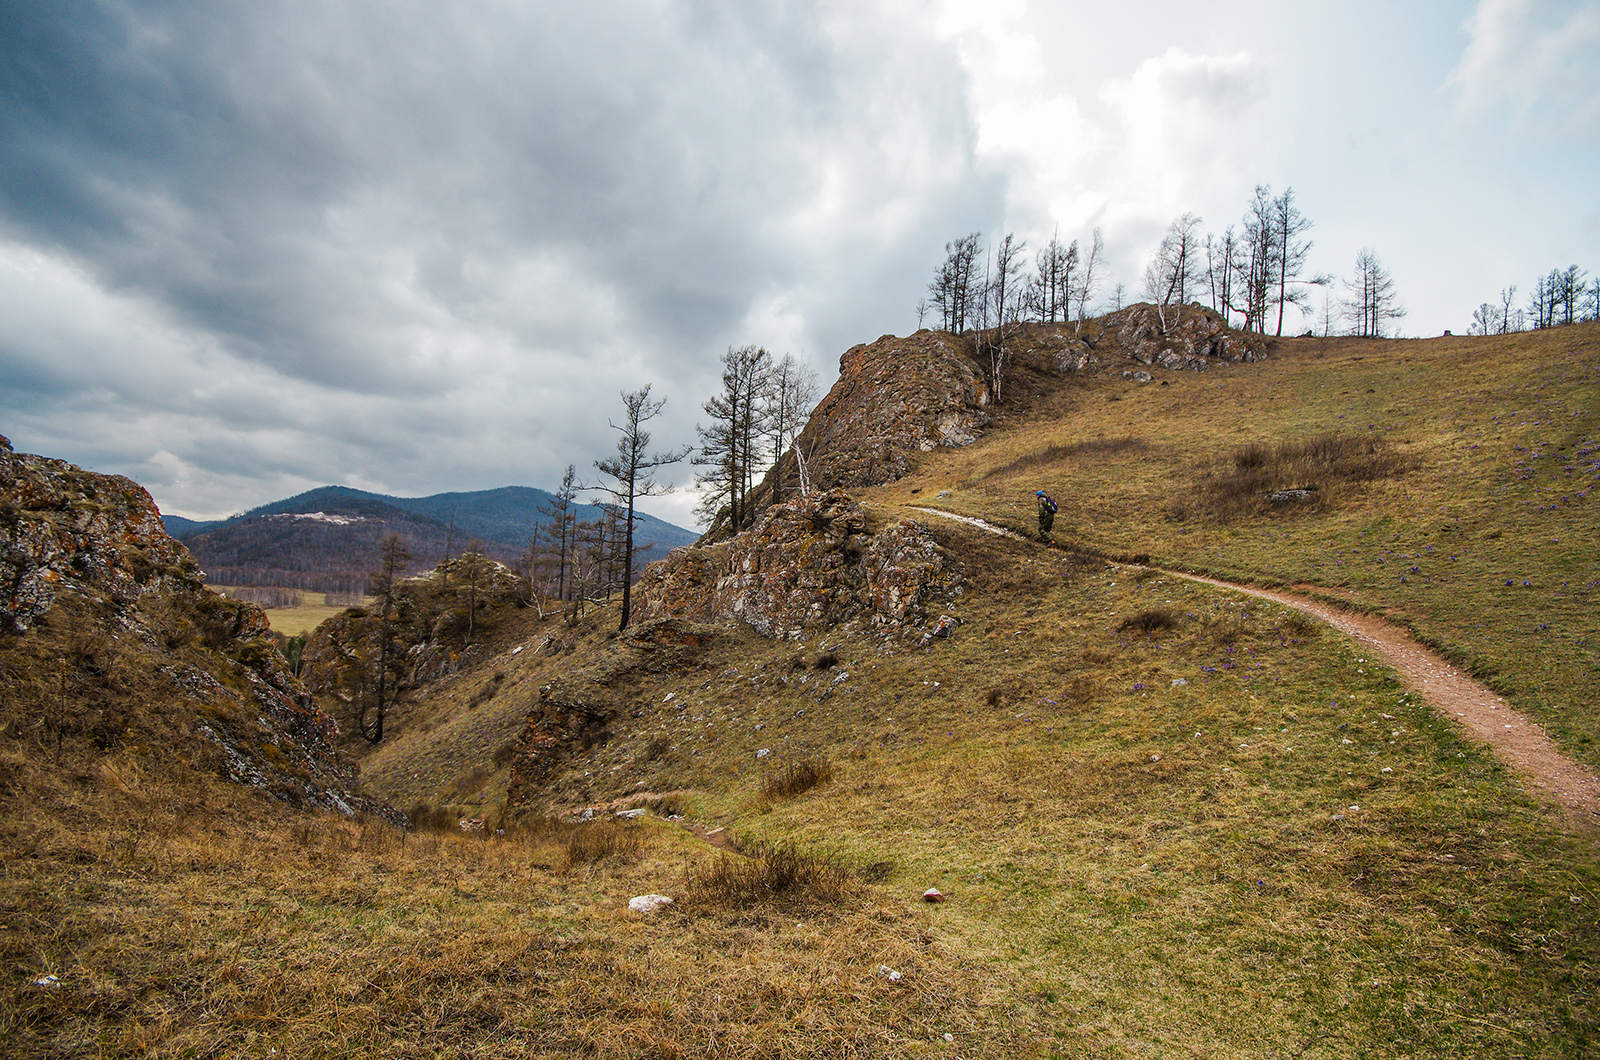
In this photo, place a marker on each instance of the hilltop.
(1164, 817)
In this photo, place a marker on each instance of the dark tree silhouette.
(392, 559)
(632, 470)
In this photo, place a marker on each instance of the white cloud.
(1180, 119)
(1531, 53)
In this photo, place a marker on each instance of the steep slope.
(111, 644)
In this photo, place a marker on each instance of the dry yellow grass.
(198, 921)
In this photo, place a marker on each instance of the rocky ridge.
(111, 640)
(898, 398)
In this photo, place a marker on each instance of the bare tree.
(393, 555)
(953, 292)
(1253, 265)
(1569, 290)
(561, 513)
(1172, 272)
(1539, 303)
(791, 395)
(1508, 295)
(1289, 253)
(1090, 279)
(632, 470)
(1005, 296)
(1486, 320)
(1370, 301)
(1053, 282)
(1220, 254)
(731, 446)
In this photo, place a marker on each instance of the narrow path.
(1517, 741)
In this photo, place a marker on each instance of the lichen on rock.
(807, 565)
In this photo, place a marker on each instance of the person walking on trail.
(1047, 515)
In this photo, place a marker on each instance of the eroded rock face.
(65, 528)
(430, 635)
(111, 615)
(895, 397)
(1187, 338)
(808, 564)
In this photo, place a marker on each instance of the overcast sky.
(249, 247)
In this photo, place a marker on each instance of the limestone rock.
(808, 564)
(1179, 338)
(648, 903)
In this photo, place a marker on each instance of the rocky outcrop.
(808, 565)
(1178, 338)
(66, 529)
(112, 640)
(897, 398)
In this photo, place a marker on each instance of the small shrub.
(775, 873)
(798, 778)
(603, 842)
(1149, 621)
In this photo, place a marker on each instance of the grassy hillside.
(1478, 529)
(1169, 820)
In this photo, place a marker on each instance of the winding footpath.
(1520, 743)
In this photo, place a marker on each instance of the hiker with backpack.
(1047, 515)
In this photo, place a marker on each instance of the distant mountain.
(178, 526)
(326, 539)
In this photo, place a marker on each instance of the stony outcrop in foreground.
(109, 640)
(808, 565)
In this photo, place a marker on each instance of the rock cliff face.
(809, 564)
(111, 640)
(894, 398)
(1188, 338)
(66, 529)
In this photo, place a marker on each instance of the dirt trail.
(1517, 741)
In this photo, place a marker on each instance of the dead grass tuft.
(1149, 621)
(798, 778)
(1051, 455)
(779, 872)
(1294, 476)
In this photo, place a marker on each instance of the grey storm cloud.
(319, 233)
(247, 248)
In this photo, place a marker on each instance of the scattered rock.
(648, 904)
(945, 495)
(631, 815)
(943, 628)
(764, 752)
(932, 895)
(886, 972)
